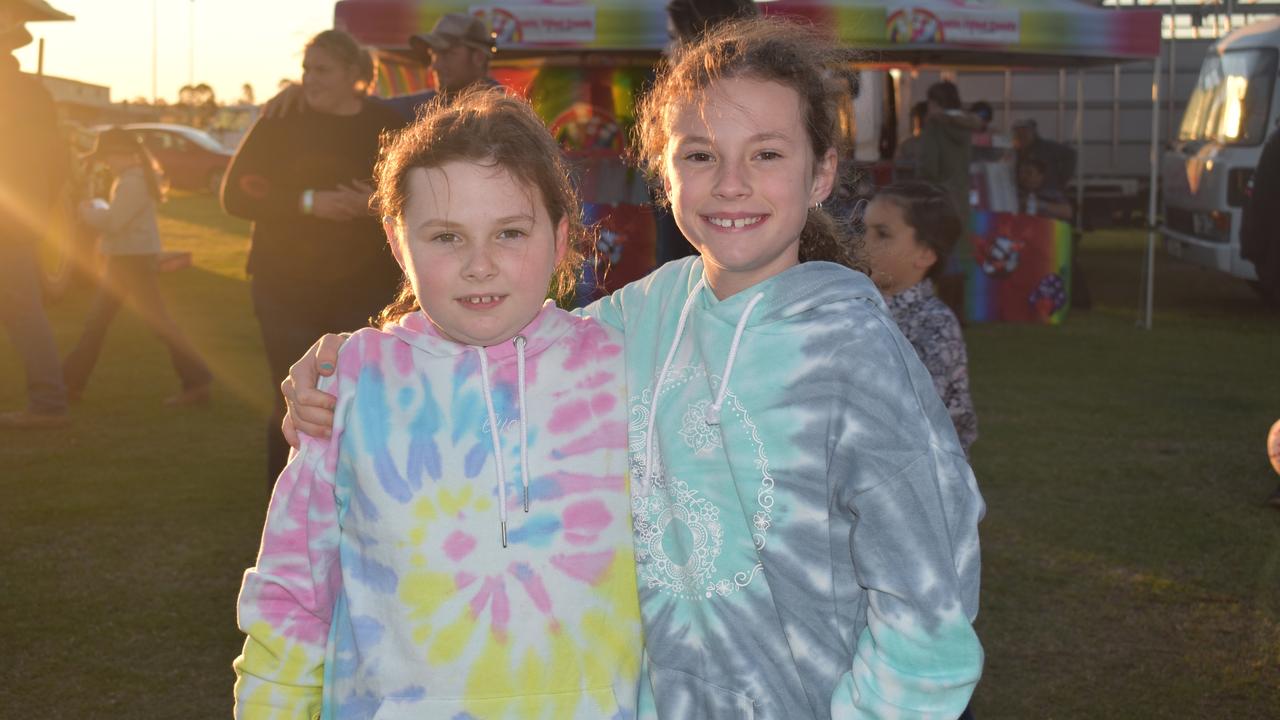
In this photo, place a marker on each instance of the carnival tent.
(904, 33)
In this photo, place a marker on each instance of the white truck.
(1207, 173)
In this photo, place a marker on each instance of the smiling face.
(741, 175)
(898, 260)
(480, 269)
(328, 84)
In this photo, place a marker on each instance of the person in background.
(1059, 160)
(910, 230)
(1259, 240)
(33, 168)
(457, 50)
(945, 145)
(1036, 196)
(983, 111)
(319, 260)
(907, 157)
(130, 242)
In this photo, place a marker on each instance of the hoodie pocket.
(575, 705)
(677, 694)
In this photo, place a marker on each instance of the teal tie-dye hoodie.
(806, 525)
(383, 588)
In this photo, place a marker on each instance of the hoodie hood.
(802, 288)
(953, 131)
(544, 330)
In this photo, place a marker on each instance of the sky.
(236, 42)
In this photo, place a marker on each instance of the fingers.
(313, 413)
(327, 352)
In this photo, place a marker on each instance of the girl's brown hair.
(488, 127)
(768, 49)
(928, 210)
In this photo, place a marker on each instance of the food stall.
(1016, 267)
(581, 64)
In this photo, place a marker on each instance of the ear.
(562, 239)
(925, 257)
(393, 240)
(824, 176)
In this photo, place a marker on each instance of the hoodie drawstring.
(493, 433)
(713, 412)
(657, 387)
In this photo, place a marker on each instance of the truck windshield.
(1232, 98)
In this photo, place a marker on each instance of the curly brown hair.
(770, 49)
(488, 127)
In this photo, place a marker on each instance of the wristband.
(307, 203)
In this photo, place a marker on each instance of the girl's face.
(479, 249)
(897, 259)
(741, 175)
(327, 83)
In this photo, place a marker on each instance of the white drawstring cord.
(497, 443)
(524, 421)
(713, 412)
(657, 387)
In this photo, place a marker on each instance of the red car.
(191, 158)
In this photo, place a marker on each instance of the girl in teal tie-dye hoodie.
(806, 525)
(460, 547)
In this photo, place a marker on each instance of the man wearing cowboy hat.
(33, 166)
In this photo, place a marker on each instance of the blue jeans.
(22, 311)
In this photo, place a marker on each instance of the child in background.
(805, 521)
(461, 545)
(131, 243)
(910, 231)
(1035, 197)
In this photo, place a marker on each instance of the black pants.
(291, 319)
(131, 279)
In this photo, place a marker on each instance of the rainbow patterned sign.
(1017, 268)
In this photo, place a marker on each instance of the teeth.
(739, 223)
(479, 299)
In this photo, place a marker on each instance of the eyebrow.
(758, 137)
(449, 225)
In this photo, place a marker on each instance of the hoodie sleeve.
(914, 539)
(286, 601)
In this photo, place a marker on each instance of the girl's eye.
(698, 156)
(768, 155)
(512, 234)
(446, 238)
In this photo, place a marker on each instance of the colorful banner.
(1017, 268)
(530, 25)
(963, 23)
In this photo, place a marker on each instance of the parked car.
(192, 159)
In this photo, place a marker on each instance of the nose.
(731, 182)
(479, 264)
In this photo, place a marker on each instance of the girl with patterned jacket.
(460, 546)
(806, 524)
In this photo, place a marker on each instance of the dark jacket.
(1258, 227)
(944, 159)
(278, 159)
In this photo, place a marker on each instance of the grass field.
(1131, 567)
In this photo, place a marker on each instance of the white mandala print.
(666, 508)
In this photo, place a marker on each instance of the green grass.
(1131, 569)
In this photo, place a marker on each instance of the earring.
(817, 206)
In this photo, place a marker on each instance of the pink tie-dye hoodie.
(384, 589)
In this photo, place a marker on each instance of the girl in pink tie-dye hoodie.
(461, 545)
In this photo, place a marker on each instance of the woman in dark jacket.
(319, 260)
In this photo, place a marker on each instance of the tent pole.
(1080, 151)
(1008, 101)
(1151, 199)
(1173, 66)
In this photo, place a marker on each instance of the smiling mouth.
(481, 301)
(735, 223)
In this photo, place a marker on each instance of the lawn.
(1131, 567)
